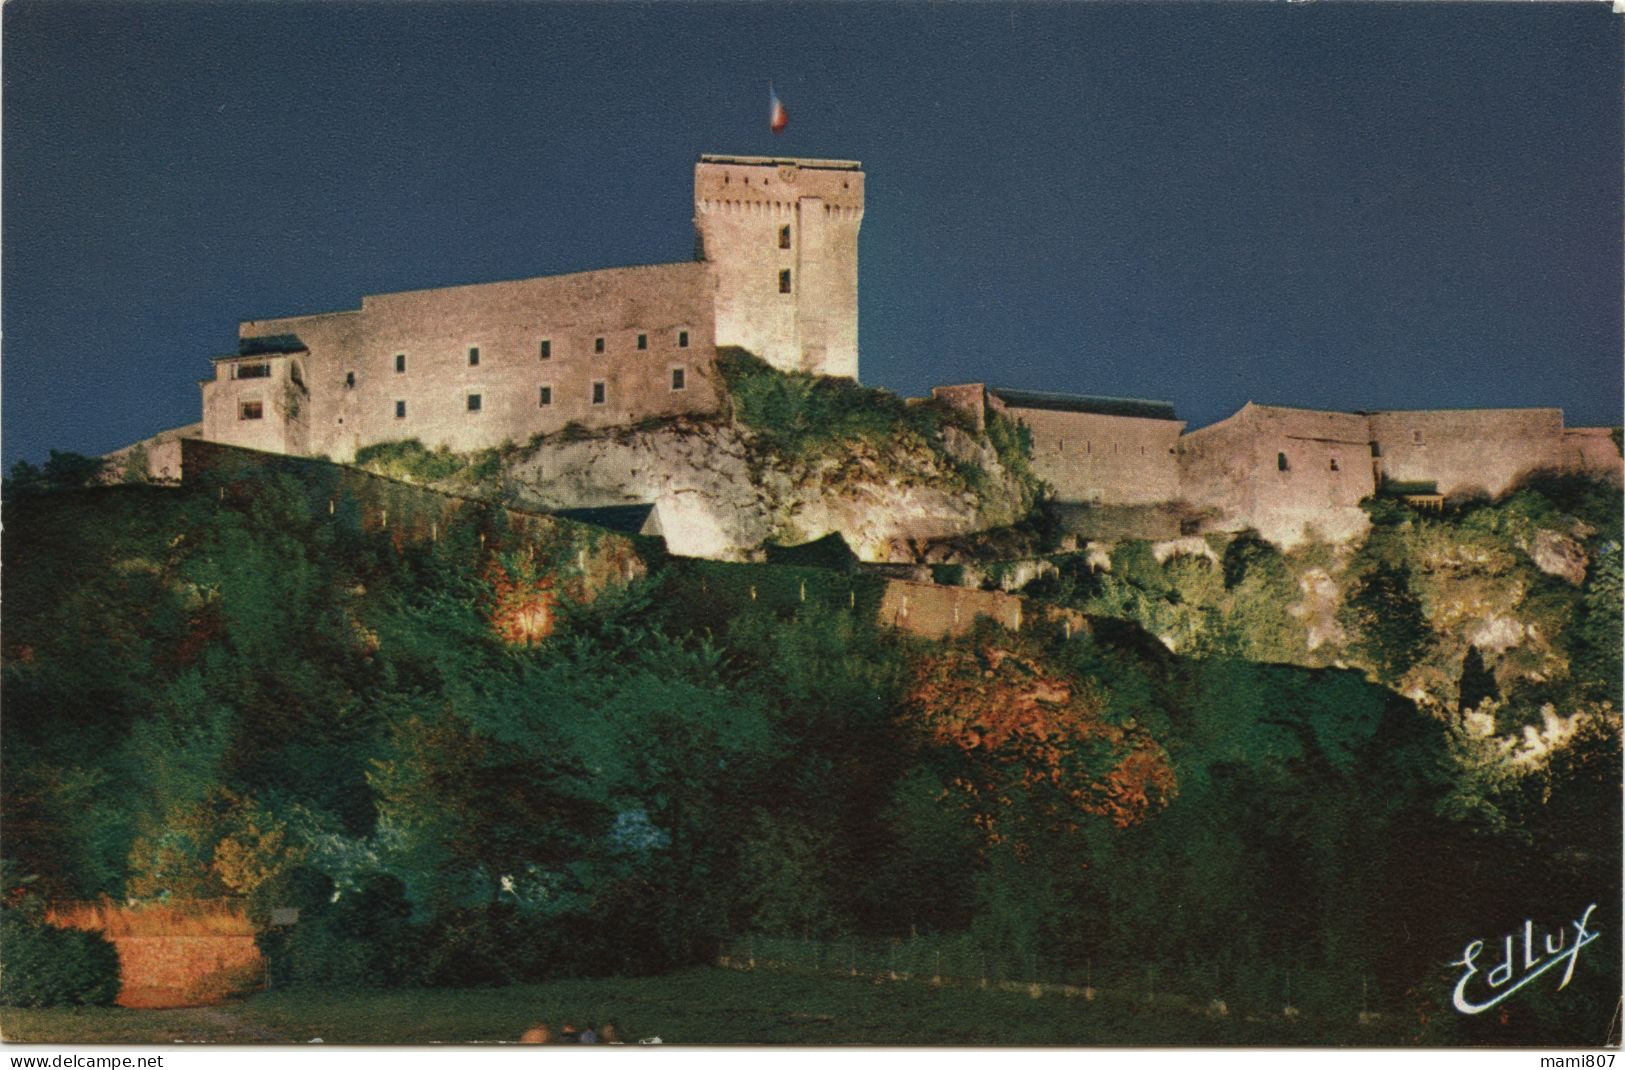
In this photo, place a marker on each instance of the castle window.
(784, 281)
(784, 236)
(473, 403)
(597, 345)
(598, 392)
(547, 396)
(1416, 437)
(1280, 462)
(682, 339)
(251, 371)
(400, 362)
(349, 380)
(643, 341)
(473, 356)
(1334, 465)
(251, 410)
(678, 377)
(400, 410)
(547, 349)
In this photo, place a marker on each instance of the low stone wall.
(186, 971)
(411, 514)
(933, 611)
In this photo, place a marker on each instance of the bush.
(409, 460)
(49, 967)
(365, 940)
(803, 415)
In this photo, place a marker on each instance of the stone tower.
(782, 238)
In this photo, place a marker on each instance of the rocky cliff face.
(720, 491)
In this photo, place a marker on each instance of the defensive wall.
(1469, 451)
(155, 459)
(1093, 450)
(1122, 468)
(1289, 473)
(410, 515)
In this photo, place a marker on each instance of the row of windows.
(545, 351)
(1089, 446)
(599, 395)
(1283, 465)
(255, 410)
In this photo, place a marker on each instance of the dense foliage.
(806, 415)
(409, 460)
(46, 966)
(217, 694)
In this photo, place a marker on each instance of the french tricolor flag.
(777, 117)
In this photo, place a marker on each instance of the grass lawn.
(698, 1006)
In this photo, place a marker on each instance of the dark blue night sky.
(1317, 204)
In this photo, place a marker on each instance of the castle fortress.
(474, 366)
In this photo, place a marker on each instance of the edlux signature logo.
(1524, 967)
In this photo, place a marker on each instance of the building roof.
(777, 161)
(1102, 406)
(623, 518)
(268, 345)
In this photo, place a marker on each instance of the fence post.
(852, 970)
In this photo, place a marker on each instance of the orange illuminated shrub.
(1037, 736)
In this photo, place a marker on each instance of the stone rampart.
(411, 514)
(1465, 452)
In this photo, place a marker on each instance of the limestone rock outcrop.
(718, 493)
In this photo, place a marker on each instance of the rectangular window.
(784, 236)
(547, 349)
(349, 380)
(643, 341)
(400, 362)
(473, 403)
(547, 397)
(400, 410)
(682, 339)
(678, 378)
(251, 371)
(473, 356)
(251, 410)
(597, 345)
(784, 281)
(598, 393)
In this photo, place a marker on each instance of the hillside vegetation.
(1510, 609)
(286, 709)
